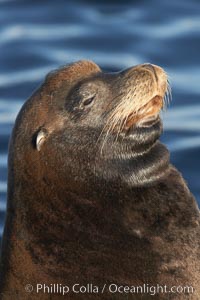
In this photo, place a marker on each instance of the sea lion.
(93, 201)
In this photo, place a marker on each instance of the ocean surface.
(38, 36)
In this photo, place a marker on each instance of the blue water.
(38, 36)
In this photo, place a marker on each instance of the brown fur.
(77, 214)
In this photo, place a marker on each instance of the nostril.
(151, 68)
(148, 66)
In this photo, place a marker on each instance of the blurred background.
(38, 36)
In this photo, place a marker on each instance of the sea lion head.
(84, 126)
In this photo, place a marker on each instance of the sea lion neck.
(137, 160)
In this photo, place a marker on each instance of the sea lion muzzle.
(143, 90)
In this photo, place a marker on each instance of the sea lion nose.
(160, 76)
(149, 66)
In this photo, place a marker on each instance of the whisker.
(120, 113)
(119, 128)
(103, 130)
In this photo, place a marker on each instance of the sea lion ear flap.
(41, 136)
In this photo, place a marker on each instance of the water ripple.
(184, 144)
(3, 160)
(41, 32)
(3, 187)
(24, 76)
(172, 29)
(186, 118)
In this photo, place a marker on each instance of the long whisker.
(119, 115)
(103, 130)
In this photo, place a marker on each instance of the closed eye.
(88, 101)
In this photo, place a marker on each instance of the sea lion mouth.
(146, 116)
